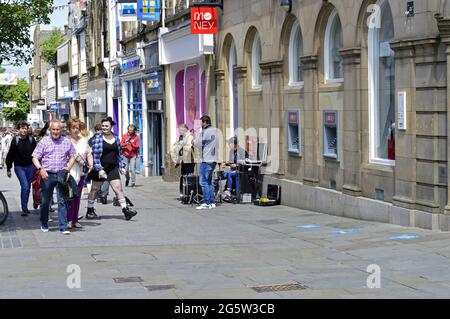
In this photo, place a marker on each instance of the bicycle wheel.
(3, 209)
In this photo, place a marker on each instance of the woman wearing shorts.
(108, 165)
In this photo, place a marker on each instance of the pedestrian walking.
(54, 157)
(6, 143)
(108, 165)
(102, 196)
(130, 150)
(83, 164)
(207, 143)
(20, 154)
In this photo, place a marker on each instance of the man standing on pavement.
(20, 154)
(130, 150)
(208, 145)
(54, 157)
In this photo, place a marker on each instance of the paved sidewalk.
(173, 251)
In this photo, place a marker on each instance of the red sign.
(330, 118)
(293, 118)
(204, 20)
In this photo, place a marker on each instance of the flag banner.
(149, 10)
(8, 79)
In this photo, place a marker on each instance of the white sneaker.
(203, 206)
(65, 232)
(212, 206)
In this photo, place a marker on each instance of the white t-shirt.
(82, 149)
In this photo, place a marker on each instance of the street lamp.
(286, 5)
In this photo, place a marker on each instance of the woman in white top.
(84, 156)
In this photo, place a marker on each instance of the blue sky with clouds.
(58, 19)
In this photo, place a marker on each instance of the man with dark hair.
(130, 149)
(207, 143)
(236, 155)
(20, 154)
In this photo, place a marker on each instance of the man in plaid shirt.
(53, 157)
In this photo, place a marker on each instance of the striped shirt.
(54, 154)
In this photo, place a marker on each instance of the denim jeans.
(48, 185)
(25, 176)
(229, 176)
(105, 190)
(206, 173)
(130, 169)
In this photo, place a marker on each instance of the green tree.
(16, 18)
(16, 93)
(49, 46)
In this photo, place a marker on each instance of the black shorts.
(112, 174)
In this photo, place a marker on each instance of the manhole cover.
(121, 280)
(159, 287)
(286, 287)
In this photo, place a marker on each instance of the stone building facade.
(361, 85)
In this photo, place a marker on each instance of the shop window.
(295, 53)
(382, 89)
(334, 41)
(256, 60)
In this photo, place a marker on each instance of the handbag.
(74, 191)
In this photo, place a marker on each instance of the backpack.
(30, 137)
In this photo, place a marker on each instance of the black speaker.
(191, 184)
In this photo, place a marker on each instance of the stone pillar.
(220, 93)
(311, 152)
(241, 72)
(444, 30)
(272, 72)
(352, 126)
(405, 140)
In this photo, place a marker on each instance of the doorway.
(155, 138)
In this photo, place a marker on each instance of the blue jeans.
(25, 176)
(229, 176)
(206, 172)
(48, 185)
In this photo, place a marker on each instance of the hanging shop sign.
(131, 65)
(149, 10)
(204, 20)
(127, 12)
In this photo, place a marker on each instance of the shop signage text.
(204, 20)
(130, 64)
(149, 10)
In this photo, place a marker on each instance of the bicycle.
(3, 209)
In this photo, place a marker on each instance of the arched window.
(382, 89)
(233, 89)
(256, 60)
(295, 53)
(334, 41)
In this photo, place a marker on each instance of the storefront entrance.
(155, 139)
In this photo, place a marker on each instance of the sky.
(58, 19)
